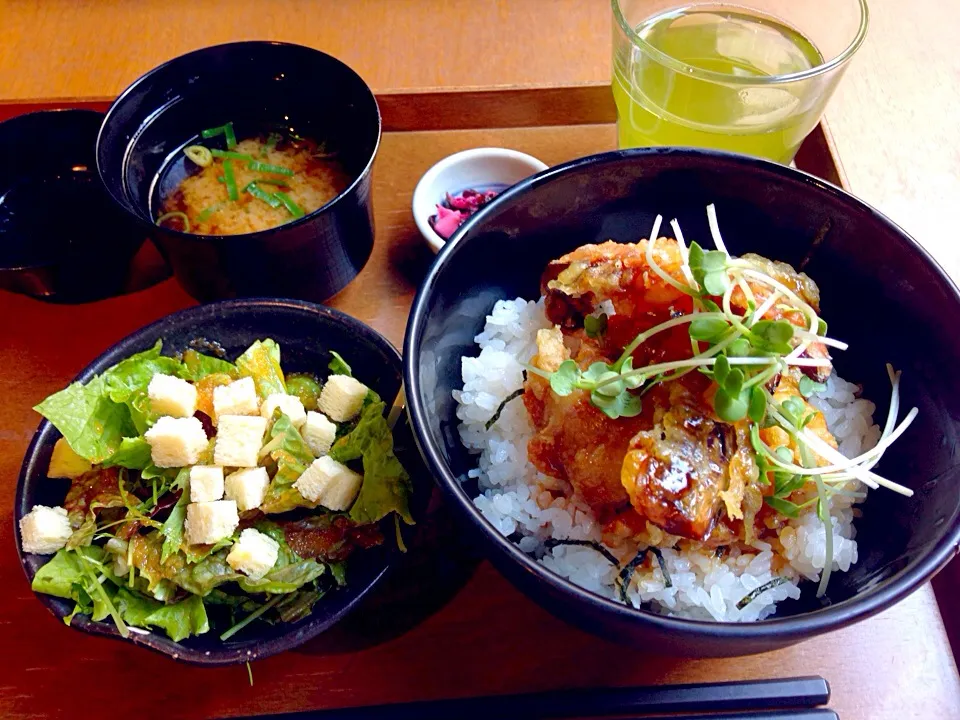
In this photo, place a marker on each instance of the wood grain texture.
(488, 639)
(95, 48)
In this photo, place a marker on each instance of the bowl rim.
(786, 629)
(462, 157)
(292, 636)
(127, 206)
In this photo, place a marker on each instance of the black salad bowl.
(61, 237)
(306, 334)
(881, 292)
(258, 86)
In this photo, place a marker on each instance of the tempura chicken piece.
(577, 282)
(675, 472)
(676, 463)
(784, 273)
(575, 441)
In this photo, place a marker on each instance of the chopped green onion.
(230, 180)
(176, 214)
(267, 167)
(199, 155)
(269, 198)
(273, 181)
(231, 155)
(220, 179)
(213, 132)
(289, 204)
(225, 130)
(231, 138)
(208, 212)
(272, 140)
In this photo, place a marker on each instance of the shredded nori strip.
(757, 592)
(496, 416)
(608, 556)
(628, 570)
(667, 582)
(631, 567)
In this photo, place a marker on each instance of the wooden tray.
(471, 633)
(520, 107)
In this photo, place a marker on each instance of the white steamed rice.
(515, 497)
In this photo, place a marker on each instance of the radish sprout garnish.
(741, 339)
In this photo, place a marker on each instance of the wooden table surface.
(893, 121)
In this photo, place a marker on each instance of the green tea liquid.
(657, 105)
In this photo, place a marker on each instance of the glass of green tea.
(752, 77)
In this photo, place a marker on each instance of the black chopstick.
(817, 714)
(743, 696)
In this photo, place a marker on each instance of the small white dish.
(476, 169)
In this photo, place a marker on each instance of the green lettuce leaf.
(197, 366)
(100, 594)
(261, 361)
(151, 471)
(92, 424)
(133, 453)
(290, 573)
(298, 606)
(285, 579)
(202, 577)
(69, 575)
(292, 455)
(134, 607)
(386, 485)
(61, 576)
(172, 529)
(180, 620)
(339, 366)
(126, 382)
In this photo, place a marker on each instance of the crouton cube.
(342, 397)
(206, 483)
(253, 554)
(172, 396)
(239, 439)
(210, 522)
(65, 463)
(44, 530)
(247, 487)
(237, 398)
(319, 433)
(176, 442)
(333, 485)
(290, 405)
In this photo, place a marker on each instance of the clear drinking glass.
(752, 77)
